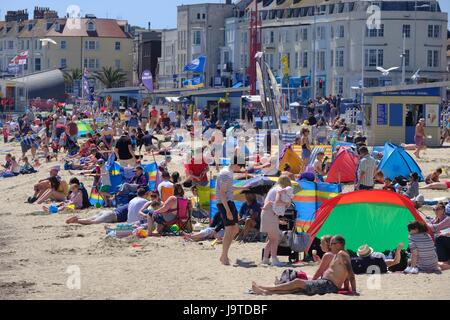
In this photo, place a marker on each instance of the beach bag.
(289, 275)
(299, 241)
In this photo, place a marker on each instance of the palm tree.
(110, 77)
(71, 76)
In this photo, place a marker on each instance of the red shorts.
(448, 184)
(419, 141)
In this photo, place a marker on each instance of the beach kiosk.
(393, 112)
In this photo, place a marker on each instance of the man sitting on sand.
(339, 271)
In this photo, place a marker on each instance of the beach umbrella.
(84, 128)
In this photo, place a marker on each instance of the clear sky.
(161, 13)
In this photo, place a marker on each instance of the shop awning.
(44, 85)
(253, 99)
(238, 85)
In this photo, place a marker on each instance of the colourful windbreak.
(96, 199)
(378, 218)
(309, 199)
(152, 170)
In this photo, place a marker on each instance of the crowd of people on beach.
(129, 135)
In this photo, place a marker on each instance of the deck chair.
(183, 218)
(166, 193)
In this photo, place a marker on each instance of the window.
(117, 64)
(92, 63)
(433, 58)
(197, 38)
(272, 37)
(28, 44)
(49, 25)
(90, 26)
(321, 60)
(30, 26)
(339, 85)
(434, 31)
(305, 59)
(374, 57)
(204, 16)
(374, 32)
(10, 45)
(305, 34)
(296, 60)
(117, 46)
(340, 32)
(198, 16)
(331, 58)
(332, 32)
(63, 44)
(91, 45)
(321, 33)
(37, 64)
(406, 31)
(340, 58)
(63, 63)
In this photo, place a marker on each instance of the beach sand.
(39, 254)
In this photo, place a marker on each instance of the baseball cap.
(100, 161)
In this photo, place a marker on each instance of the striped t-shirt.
(427, 260)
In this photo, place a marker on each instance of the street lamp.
(415, 28)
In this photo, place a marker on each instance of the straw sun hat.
(364, 251)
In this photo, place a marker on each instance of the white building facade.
(328, 43)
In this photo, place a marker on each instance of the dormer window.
(49, 25)
(30, 26)
(91, 26)
(57, 26)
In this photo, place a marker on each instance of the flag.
(86, 75)
(196, 65)
(194, 83)
(20, 59)
(147, 80)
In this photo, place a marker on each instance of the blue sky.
(161, 13)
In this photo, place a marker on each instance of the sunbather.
(339, 270)
(214, 231)
(443, 185)
(44, 184)
(119, 214)
(58, 191)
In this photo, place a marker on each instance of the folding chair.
(183, 218)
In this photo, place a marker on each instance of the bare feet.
(73, 219)
(257, 290)
(225, 261)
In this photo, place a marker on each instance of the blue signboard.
(427, 92)
(382, 115)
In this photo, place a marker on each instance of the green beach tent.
(378, 218)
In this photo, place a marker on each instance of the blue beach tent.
(397, 162)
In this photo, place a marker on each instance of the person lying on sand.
(214, 231)
(339, 270)
(118, 215)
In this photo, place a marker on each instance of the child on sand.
(5, 132)
(75, 199)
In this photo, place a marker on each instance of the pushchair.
(284, 249)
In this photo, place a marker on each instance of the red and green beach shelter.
(378, 218)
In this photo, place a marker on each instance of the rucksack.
(86, 202)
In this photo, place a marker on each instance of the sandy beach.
(39, 253)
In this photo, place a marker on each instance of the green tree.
(72, 75)
(110, 78)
